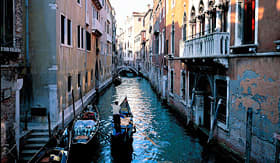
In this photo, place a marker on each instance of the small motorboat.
(85, 126)
(124, 128)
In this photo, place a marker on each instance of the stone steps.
(33, 143)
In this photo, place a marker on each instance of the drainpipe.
(27, 32)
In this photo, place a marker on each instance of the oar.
(147, 137)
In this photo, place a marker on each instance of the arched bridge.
(127, 68)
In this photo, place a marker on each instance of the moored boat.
(56, 150)
(117, 80)
(53, 154)
(85, 126)
(123, 127)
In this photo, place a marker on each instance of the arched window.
(173, 38)
(202, 18)
(224, 16)
(184, 28)
(212, 13)
(193, 22)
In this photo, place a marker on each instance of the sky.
(125, 8)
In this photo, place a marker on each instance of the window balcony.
(212, 45)
(96, 27)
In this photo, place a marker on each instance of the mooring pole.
(74, 111)
(25, 121)
(81, 96)
(277, 147)
(49, 125)
(248, 134)
(62, 117)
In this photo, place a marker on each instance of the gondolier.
(123, 126)
(116, 115)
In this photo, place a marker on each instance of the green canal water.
(159, 136)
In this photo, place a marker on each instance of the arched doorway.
(203, 102)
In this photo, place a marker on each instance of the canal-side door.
(205, 91)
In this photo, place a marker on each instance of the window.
(193, 22)
(173, 38)
(66, 31)
(79, 36)
(7, 25)
(173, 3)
(69, 32)
(191, 78)
(167, 43)
(88, 39)
(91, 75)
(249, 22)
(79, 80)
(108, 27)
(82, 37)
(62, 29)
(183, 85)
(184, 33)
(171, 81)
(79, 1)
(221, 89)
(157, 44)
(162, 42)
(86, 78)
(202, 19)
(69, 83)
(222, 92)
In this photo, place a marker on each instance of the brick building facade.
(223, 75)
(12, 67)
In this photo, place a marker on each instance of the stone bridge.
(127, 68)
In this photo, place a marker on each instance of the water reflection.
(159, 135)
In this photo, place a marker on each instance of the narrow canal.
(159, 137)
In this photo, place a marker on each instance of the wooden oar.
(147, 137)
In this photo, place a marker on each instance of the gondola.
(124, 129)
(85, 126)
(51, 154)
(117, 80)
(56, 150)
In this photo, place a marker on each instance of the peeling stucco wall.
(255, 83)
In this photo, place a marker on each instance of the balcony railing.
(210, 45)
(96, 27)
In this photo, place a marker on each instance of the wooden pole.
(62, 117)
(49, 125)
(277, 151)
(81, 96)
(74, 111)
(249, 134)
(25, 121)
(277, 146)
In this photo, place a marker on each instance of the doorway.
(204, 87)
